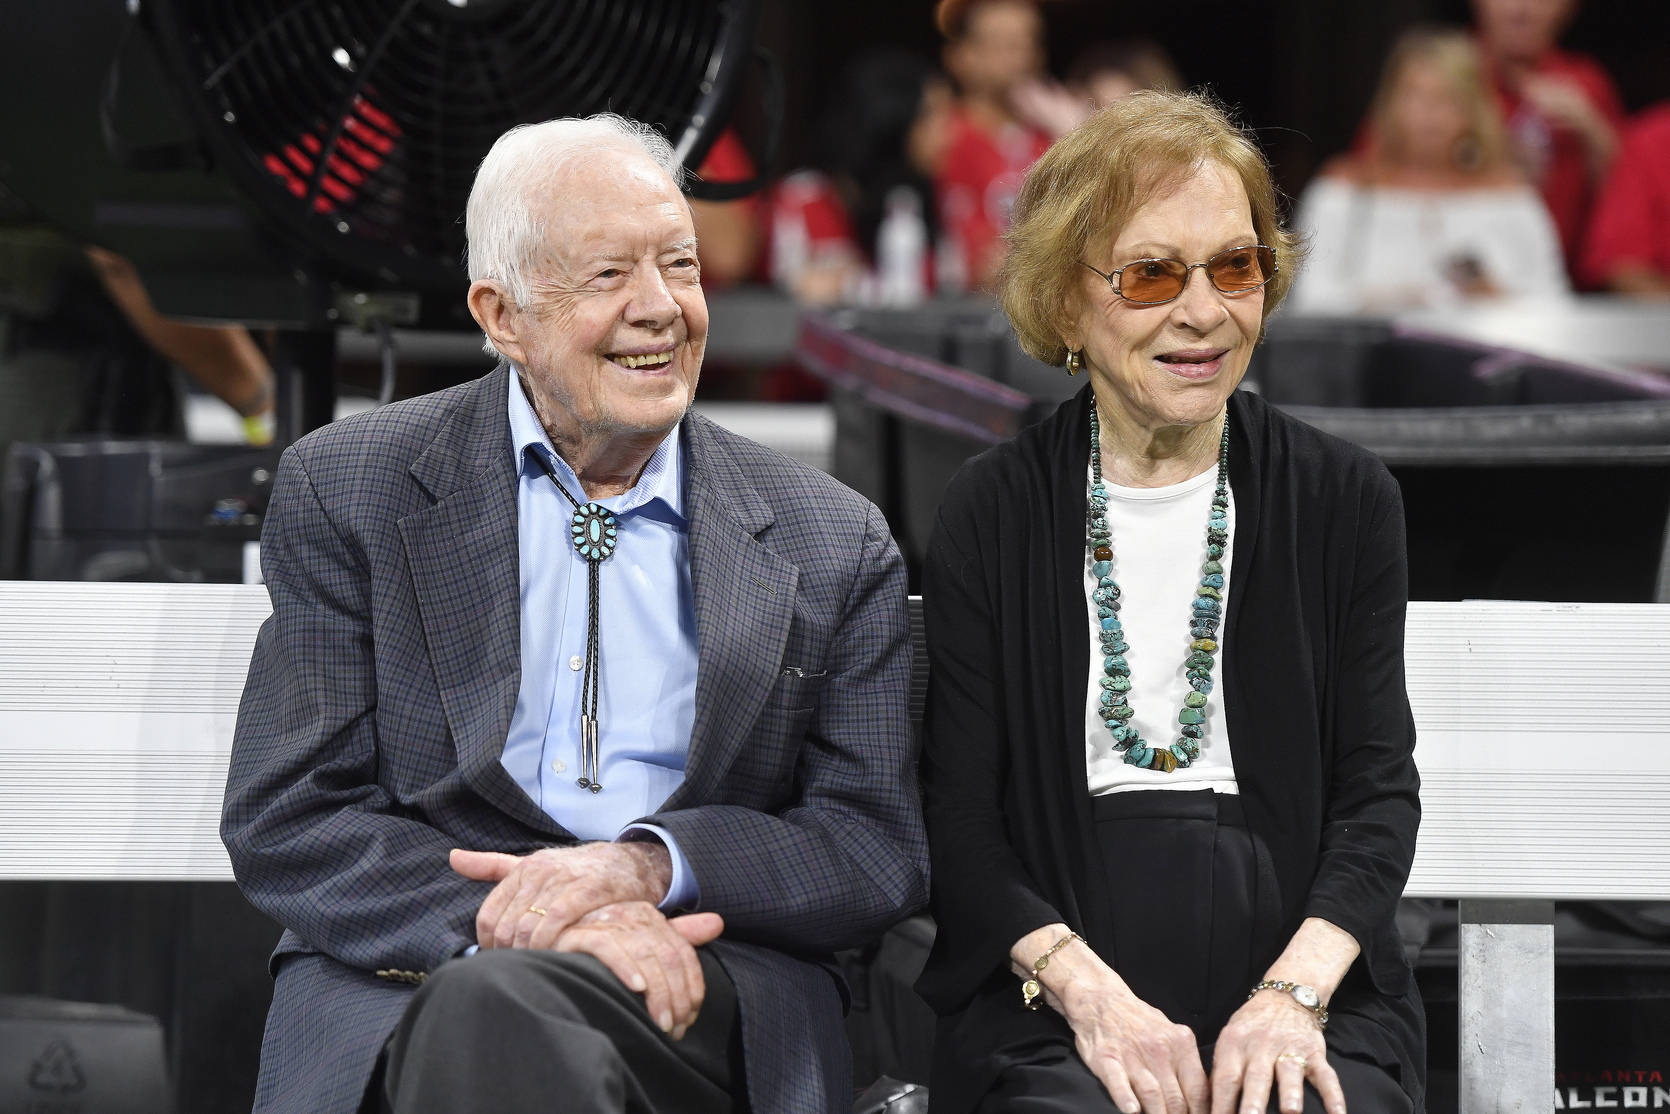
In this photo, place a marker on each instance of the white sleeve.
(1325, 284)
(1530, 246)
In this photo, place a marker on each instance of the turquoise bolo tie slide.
(594, 531)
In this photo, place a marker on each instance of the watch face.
(1306, 997)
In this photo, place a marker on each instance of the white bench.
(1544, 752)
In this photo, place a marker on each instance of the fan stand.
(304, 372)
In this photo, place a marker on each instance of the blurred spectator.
(1099, 75)
(856, 226)
(82, 350)
(993, 47)
(1628, 247)
(1561, 108)
(727, 232)
(223, 359)
(1434, 212)
(1103, 72)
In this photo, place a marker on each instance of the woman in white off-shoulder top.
(1434, 212)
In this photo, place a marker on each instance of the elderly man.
(577, 740)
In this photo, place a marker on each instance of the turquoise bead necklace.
(1206, 612)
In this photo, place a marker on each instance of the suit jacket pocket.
(797, 689)
(764, 771)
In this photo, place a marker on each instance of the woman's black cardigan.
(1312, 683)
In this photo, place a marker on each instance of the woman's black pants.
(1183, 869)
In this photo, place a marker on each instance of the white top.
(1159, 545)
(1378, 249)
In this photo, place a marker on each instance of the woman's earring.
(1072, 362)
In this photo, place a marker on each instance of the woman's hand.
(1272, 1038)
(1146, 1063)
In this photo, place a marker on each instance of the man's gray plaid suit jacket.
(382, 689)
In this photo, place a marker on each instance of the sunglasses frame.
(1114, 278)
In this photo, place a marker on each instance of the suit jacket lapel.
(466, 572)
(744, 601)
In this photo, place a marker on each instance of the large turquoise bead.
(1195, 700)
(1119, 684)
(1102, 568)
(1212, 567)
(1212, 580)
(1191, 715)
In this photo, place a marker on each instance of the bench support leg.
(1507, 1007)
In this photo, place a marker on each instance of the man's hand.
(651, 954)
(540, 896)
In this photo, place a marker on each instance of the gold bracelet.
(1030, 988)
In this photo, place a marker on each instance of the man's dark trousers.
(550, 1031)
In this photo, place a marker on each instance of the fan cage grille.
(399, 100)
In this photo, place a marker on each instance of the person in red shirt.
(885, 129)
(1561, 108)
(727, 232)
(994, 47)
(1628, 247)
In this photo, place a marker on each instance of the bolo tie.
(594, 532)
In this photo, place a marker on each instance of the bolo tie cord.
(590, 734)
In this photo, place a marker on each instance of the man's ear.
(498, 317)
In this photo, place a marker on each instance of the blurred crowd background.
(1436, 150)
(1438, 154)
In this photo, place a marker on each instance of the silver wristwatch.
(1301, 993)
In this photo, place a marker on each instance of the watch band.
(1305, 996)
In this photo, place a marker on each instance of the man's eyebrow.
(686, 244)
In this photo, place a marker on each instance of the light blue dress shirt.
(647, 697)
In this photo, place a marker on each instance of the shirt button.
(576, 663)
(559, 765)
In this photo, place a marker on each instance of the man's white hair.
(502, 226)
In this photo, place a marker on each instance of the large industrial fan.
(260, 159)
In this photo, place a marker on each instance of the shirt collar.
(661, 481)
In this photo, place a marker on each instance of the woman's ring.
(1303, 1063)
(536, 909)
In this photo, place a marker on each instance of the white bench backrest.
(117, 703)
(1544, 748)
(1544, 738)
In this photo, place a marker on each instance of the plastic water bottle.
(791, 249)
(902, 250)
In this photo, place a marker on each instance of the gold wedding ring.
(1303, 1063)
(536, 909)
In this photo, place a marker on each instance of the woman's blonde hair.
(1453, 54)
(1096, 177)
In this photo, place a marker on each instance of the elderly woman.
(1171, 796)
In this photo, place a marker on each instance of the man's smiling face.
(616, 322)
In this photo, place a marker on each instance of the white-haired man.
(577, 741)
